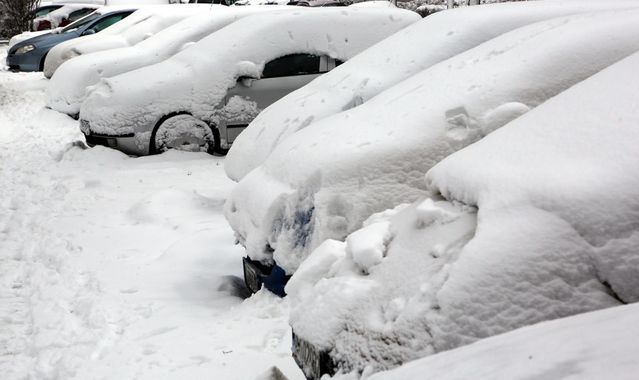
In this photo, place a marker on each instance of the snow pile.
(555, 235)
(68, 86)
(216, 61)
(344, 168)
(597, 345)
(62, 13)
(137, 27)
(396, 58)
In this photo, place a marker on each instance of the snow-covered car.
(67, 88)
(30, 54)
(323, 181)
(385, 64)
(142, 24)
(538, 221)
(597, 345)
(203, 96)
(63, 16)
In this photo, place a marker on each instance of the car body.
(29, 55)
(203, 99)
(387, 63)
(62, 16)
(142, 24)
(67, 89)
(323, 181)
(535, 222)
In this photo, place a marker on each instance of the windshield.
(81, 22)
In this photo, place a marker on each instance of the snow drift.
(140, 25)
(323, 181)
(597, 345)
(67, 88)
(540, 221)
(196, 79)
(409, 51)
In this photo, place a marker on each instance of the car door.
(279, 77)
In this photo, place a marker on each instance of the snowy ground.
(118, 267)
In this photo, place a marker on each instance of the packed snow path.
(119, 268)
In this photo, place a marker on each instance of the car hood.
(45, 40)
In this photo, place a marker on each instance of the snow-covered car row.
(412, 185)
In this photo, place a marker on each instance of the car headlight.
(25, 49)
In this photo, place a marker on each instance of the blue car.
(29, 55)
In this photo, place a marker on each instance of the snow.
(55, 17)
(539, 222)
(113, 267)
(400, 56)
(67, 88)
(597, 345)
(342, 169)
(140, 25)
(114, 107)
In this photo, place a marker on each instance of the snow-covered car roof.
(196, 79)
(396, 58)
(540, 221)
(67, 88)
(343, 168)
(56, 16)
(140, 25)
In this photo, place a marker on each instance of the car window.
(290, 65)
(76, 15)
(45, 11)
(81, 22)
(108, 21)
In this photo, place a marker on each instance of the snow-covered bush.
(385, 64)
(323, 181)
(540, 220)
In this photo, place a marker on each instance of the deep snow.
(114, 267)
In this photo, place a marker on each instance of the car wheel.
(182, 132)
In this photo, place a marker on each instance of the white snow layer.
(67, 88)
(407, 52)
(555, 234)
(597, 345)
(196, 79)
(323, 181)
(138, 26)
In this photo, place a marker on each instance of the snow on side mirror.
(245, 81)
(88, 32)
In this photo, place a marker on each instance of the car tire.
(182, 131)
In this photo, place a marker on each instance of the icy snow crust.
(68, 86)
(323, 181)
(196, 79)
(597, 345)
(555, 235)
(407, 52)
(139, 26)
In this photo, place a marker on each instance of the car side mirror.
(245, 81)
(88, 32)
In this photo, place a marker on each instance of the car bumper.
(130, 143)
(313, 362)
(23, 62)
(258, 275)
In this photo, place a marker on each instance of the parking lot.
(127, 261)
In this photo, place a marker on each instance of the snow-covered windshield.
(81, 22)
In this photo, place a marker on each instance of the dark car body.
(29, 55)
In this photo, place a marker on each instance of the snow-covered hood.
(196, 79)
(555, 234)
(137, 27)
(67, 88)
(345, 167)
(26, 35)
(398, 57)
